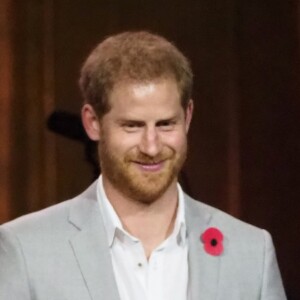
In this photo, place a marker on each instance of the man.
(134, 234)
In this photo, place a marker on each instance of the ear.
(189, 114)
(90, 122)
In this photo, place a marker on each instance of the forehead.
(134, 96)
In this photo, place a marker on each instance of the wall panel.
(5, 107)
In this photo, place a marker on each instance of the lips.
(150, 167)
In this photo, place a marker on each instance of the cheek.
(123, 142)
(175, 140)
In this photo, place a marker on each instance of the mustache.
(146, 159)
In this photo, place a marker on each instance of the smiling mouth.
(150, 167)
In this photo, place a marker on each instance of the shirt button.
(140, 265)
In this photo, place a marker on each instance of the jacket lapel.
(203, 267)
(91, 249)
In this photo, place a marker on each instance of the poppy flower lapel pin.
(212, 239)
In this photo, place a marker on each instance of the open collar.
(112, 222)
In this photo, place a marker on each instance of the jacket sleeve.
(272, 287)
(13, 274)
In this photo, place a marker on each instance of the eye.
(166, 125)
(132, 126)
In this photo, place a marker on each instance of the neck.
(151, 222)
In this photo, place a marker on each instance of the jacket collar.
(203, 268)
(91, 248)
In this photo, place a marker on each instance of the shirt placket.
(155, 276)
(135, 252)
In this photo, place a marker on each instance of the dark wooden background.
(244, 141)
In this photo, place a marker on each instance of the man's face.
(143, 142)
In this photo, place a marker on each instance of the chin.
(149, 190)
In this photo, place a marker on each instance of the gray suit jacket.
(61, 253)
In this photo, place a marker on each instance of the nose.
(150, 143)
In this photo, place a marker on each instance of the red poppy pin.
(213, 241)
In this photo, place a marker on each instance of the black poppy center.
(214, 242)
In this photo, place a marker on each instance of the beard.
(134, 183)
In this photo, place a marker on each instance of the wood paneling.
(31, 158)
(269, 126)
(5, 107)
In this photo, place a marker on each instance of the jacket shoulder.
(51, 219)
(227, 223)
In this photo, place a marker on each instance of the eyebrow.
(130, 121)
(168, 120)
(140, 122)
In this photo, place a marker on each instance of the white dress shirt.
(165, 275)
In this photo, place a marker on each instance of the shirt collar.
(112, 222)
